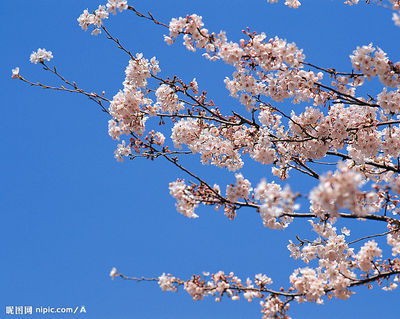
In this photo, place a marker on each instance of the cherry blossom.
(240, 190)
(186, 204)
(166, 282)
(366, 254)
(326, 118)
(40, 55)
(121, 151)
(113, 273)
(168, 100)
(114, 5)
(15, 73)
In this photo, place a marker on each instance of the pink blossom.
(241, 189)
(186, 203)
(40, 55)
(15, 73)
(366, 255)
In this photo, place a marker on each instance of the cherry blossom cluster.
(121, 151)
(241, 189)
(39, 56)
(273, 307)
(284, 59)
(201, 193)
(393, 239)
(95, 19)
(306, 281)
(389, 101)
(126, 106)
(275, 204)
(15, 73)
(374, 62)
(114, 5)
(218, 47)
(186, 202)
(191, 26)
(366, 255)
(334, 125)
(230, 286)
(201, 137)
(167, 100)
(337, 263)
(167, 282)
(221, 146)
(290, 3)
(353, 126)
(334, 276)
(341, 190)
(295, 3)
(333, 269)
(139, 70)
(396, 19)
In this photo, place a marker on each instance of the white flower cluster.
(306, 281)
(279, 74)
(186, 204)
(139, 70)
(185, 132)
(40, 55)
(263, 151)
(337, 263)
(87, 19)
(113, 273)
(159, 138)
(366, 255)
(206, 140)
(275, 203)
(190, 25)
(166, 282)
(196, 291)
(290, 3)
(396, 16)
(374, 62)
(389, 101)
(276, 55)
(333, 270)
(396, 19)
(15, 73)
(114, 5)
(272, 305)
(241, 189)
(391, 141)
(351, 2)
(168, 100)
(342, 190)
(343, 125)
(393, 239)
(195, 36)
(126, 105)
(121, 151)
(125, 108)
(220, 284)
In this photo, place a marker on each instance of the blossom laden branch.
(363, 132)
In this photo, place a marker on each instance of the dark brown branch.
(377, 165)
(349, 216)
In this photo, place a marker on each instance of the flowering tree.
(339, 135)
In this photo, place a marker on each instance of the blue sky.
(70, 212)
